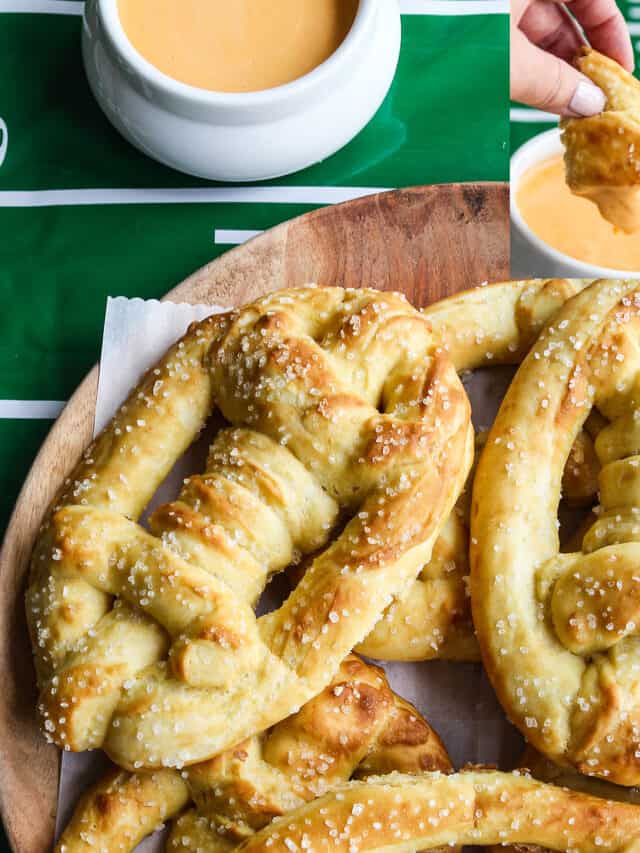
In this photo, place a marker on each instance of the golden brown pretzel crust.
(500, 323)
(342, 405)
(399, 813)
(356, 727)
(546, 771)
(487, 326)
(122, 810)
(557, 631)
(602, 152)
(432, 619)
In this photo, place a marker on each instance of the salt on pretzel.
(487, 326)
(357, 726)
(400, 813)
(566, 777)
(122, 809)
(558, 632)
(345, 415)
(602, 152)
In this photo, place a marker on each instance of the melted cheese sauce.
(236, 45)
(619, 205)
(572, 224)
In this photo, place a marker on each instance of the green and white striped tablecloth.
(526, 122)
(84, 215)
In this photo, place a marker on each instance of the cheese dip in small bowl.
(243, 90)
(557, 233)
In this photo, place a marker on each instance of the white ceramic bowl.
(531, 256)
(247, 136)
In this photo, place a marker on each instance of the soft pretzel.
(400, 813)
(346, 416)
(558, 632)
(357, 726)
(546, 771)
(540, 767)
(487, 326)
(122, 809)
(602, 152)
(432, 618)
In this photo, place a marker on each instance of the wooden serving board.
(428, 242)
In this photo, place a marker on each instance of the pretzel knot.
(560, 633)
(357, 726)
(347, 421)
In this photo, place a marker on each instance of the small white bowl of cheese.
(240, 91)
(554, 232)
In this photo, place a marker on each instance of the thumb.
(542, 80)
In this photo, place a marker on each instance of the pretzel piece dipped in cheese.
(602, 152)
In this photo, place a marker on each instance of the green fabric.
(20, 440)
(521, 131)
(58, 138)
(443, 120)
(449, 92)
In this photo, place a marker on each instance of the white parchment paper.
(457, 699)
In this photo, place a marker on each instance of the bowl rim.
(544, 141)
(169, 86)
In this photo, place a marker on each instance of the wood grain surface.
(428, 242)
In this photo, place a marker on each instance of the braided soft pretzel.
(357, 726)
(344, 410)
(400, 813)
(558, 632)
(487, 326)
(602, 156)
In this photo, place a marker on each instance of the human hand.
(544, 42)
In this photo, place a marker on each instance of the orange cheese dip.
(236, 45)
(572, 224)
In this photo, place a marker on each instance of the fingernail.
(588, 100)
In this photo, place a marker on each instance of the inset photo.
(575, 138)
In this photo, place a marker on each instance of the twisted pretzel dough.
(546, 771)
(602, 152)
(487, 326)
(355, 727)
(501, 322)
(343, 409)
(558, 631)
(400, 813)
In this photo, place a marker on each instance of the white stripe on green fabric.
(185, 195)
(454, 7)
(634, 29)
(43, 7)
(522, 114)
(407, 7)
(314, 195)
(233, 236)
(30, 409)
